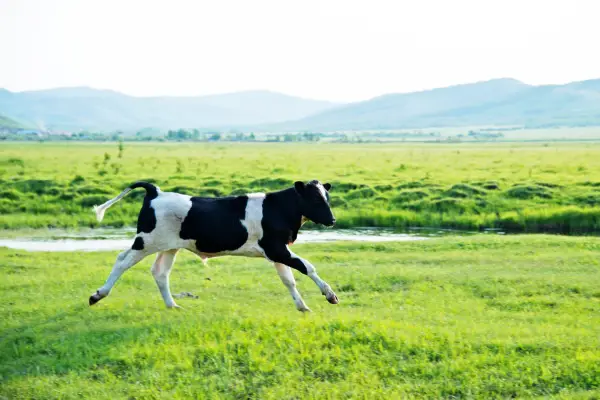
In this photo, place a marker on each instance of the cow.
(252, 225)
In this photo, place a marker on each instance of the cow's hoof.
(332, 298)
(175, 307)
(96, 297)
(304, 309)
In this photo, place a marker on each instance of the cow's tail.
(151, 191)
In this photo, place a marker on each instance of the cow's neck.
(289, 203)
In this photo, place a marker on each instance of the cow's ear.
(327, 186)
(299, 186)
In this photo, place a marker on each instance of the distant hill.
(87, 108)
(7, 123)
(495, 102)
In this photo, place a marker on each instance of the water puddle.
(106, 239)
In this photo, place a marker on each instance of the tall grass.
(517, 188)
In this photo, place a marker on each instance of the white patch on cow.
(170, 210)
(287, 277)
(322, 191)
(253, 223)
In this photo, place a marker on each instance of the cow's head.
(314, 202)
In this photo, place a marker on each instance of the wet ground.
(108, 239)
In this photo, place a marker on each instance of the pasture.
(474, 317)
(478, 316)
(516, 187)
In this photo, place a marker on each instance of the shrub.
(78, 180)
(363, 193)
(15, 161)
(37, 186)
(211, 192)
(590, 199)
(343, 187)
(181, 189)
(412, 185)
(67, 196)
(89, 189)
(337, 201)
(589, 183)
(529, 192)
(456, 194)
(212, 182)
(487, 185)
(383, 188)
(271, 183)
(548, 185)
(449, 205)
(468, 189)
(10, 194)
(53, 191)
(407, 196)
(491, 185)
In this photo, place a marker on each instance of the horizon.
(290, 94)
(332, 51)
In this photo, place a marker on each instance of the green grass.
(516, 187)
(477, 317)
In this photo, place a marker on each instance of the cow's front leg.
(287, 277)
(285, 256)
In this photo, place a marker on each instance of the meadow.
(481, 316)
(484, 316)
(516, 187)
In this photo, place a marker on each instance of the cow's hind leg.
(285, 256)
(287, 277)
(125, 260)
(161, 269)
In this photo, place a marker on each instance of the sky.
(333, 50)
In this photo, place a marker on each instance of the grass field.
(472, 317)
(516, 187)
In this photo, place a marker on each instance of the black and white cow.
(254, 225)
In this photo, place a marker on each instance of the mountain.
(9, 124)
(87, 108)
(494, 102)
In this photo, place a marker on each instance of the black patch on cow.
(278, 252)
(146, 219)
(138, 244)
(282, 218)
(214, 223)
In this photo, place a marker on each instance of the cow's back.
(215, 224)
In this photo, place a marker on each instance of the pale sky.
(323, 49)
